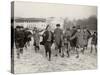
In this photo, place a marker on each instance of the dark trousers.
(47, 46)
(37, 48)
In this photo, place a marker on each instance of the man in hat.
(81, 40)
(58, 36)
(19, 40)
(73, 41)
(77, 40)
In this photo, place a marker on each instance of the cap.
(58, 25)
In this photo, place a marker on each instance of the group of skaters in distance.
(64, 40)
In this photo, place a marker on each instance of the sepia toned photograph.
(49, 37)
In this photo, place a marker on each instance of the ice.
(37, 62)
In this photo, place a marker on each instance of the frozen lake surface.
(31, 62)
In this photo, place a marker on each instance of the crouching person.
(47, 41)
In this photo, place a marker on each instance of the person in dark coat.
(19, 40)
(47, 41)
(28, 37)
(58, 38)
(25, 38)
(73, 41)
(94, 42)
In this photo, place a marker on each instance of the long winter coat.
(58, 36)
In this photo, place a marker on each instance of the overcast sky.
(30, 9)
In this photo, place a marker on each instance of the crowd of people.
(64, 40)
